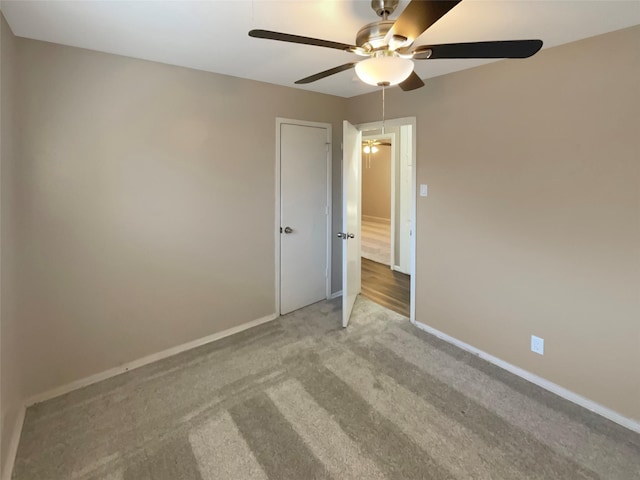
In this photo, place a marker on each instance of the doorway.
(303, 213)
(378, 161)
(388, 209)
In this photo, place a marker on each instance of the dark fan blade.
(285, 37)
(327, 73)
(411, 83)
(499, 49)
(420, 15)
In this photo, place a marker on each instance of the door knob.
(288, 229)
(345, 236)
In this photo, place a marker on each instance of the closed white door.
(351, 204)
(304, 214)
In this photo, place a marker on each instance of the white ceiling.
(212, 35)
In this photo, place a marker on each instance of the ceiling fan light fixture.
(370, 149)
(384, 70)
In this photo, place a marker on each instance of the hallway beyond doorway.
(386, 287)
(376, 239)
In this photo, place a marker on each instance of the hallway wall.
(376, 183)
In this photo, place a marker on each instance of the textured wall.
(10, 340)
(532, 221)
(147, 205)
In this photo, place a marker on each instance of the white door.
(351, 184)
(304, 215)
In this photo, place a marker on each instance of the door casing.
(364, 127)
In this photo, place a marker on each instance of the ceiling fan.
(388, 45)
(371, 146)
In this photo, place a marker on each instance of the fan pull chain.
(383, 87)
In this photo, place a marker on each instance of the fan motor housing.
(371, 36)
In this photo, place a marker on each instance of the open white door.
(351, 166)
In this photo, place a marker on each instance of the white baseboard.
(335, 295)
(16, 431)
(541, 382)
(396, 268)
(56, 392)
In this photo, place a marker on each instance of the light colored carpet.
(376, 241)
(301, 398)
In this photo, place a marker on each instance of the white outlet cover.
(423, 190)
(537, 345)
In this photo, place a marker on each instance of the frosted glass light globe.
(384, 70)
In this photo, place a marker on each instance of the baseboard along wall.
(573, 397)
(98, 377)
(541, 382)
(16, 431)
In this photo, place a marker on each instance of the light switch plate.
(423, 190)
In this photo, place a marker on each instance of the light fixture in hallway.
(370, 149)
(371, 146)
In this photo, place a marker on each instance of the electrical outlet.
(537, 345)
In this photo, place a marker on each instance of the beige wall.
(146, 205)
(532, 221)
(376, 183)
(10, 341)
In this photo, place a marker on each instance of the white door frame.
(278, 216)
(392, 138)
(397, 122)
(404, 264)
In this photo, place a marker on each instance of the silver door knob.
(288, 229)
(350, 235)
(340, 235)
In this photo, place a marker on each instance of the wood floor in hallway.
(386, 287)
(376, 239)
